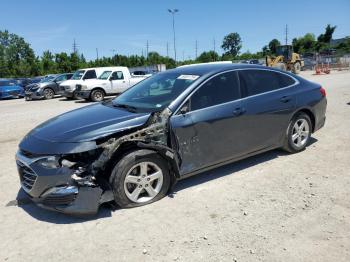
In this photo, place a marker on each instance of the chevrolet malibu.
(132, 149)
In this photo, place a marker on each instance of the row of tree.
(17, 58)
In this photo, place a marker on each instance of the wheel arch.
(130, 146)
(309, 113)
(98, 88)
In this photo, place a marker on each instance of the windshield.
(105, 75)
(47, 79)
(155, 93)
(78, 75)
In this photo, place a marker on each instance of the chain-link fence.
(335, 62)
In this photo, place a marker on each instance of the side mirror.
(111, 78)
(184, 110)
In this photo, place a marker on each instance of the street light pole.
(173, 12)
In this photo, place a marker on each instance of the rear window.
(255, 82)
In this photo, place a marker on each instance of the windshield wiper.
(127, 107)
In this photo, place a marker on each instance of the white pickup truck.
(110, 82)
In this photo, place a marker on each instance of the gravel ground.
(271, 207)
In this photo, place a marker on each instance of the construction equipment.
(285, 59)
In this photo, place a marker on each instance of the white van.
(67, 88)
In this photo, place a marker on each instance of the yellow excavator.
(285, 59)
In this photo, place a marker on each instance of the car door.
(207, 129)
(269, 100)
(118, 82)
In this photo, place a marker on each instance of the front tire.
(140, 178)
(97, 95)
(298, 133)
(48, 93)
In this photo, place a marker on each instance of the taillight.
(323, 92)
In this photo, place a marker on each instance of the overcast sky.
(125, 26)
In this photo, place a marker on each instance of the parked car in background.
(47, 88)
(23, 82)
(140, 73)
(67, 88)
(252, 62)
(175, 124)
(10, 89)
(111, 82)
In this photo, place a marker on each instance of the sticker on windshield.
(188, 77)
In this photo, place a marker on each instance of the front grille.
(54, 200)
(27, 176)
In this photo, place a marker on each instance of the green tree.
(206, 57)
(323, 40)
(274, 43)
(304, 44)
(232, 44)
(48, 64)
(16, 56)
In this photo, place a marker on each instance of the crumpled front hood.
(87, 124)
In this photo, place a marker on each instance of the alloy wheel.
(143, 182)
(300, 133)
(48, 93)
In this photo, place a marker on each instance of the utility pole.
(183, 55)
(147, 48)
(167, 49)
(214, 44)
(113, 51)
(75, 47)
(96, 53)
(196, 49)
(173, 12)
(286, 34)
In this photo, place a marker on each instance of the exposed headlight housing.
(50, 162)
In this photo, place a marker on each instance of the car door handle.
(239, 111)
(285, 99)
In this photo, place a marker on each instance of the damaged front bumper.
(60, 189)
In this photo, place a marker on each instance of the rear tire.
(140, 178)
(97, 95)
(298, 133)
(48, 93)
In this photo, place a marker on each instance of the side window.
(285, 80)
(220, 89)
(90, 74)
(117, 75)
(61, 78)
(258, 81)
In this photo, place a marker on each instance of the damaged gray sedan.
(132, 149)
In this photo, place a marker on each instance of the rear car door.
(119, 84)
(269, 100)
(207, 129)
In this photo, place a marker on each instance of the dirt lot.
(272, 207)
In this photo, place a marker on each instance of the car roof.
(204, 69)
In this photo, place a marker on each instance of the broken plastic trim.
(155, 133)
